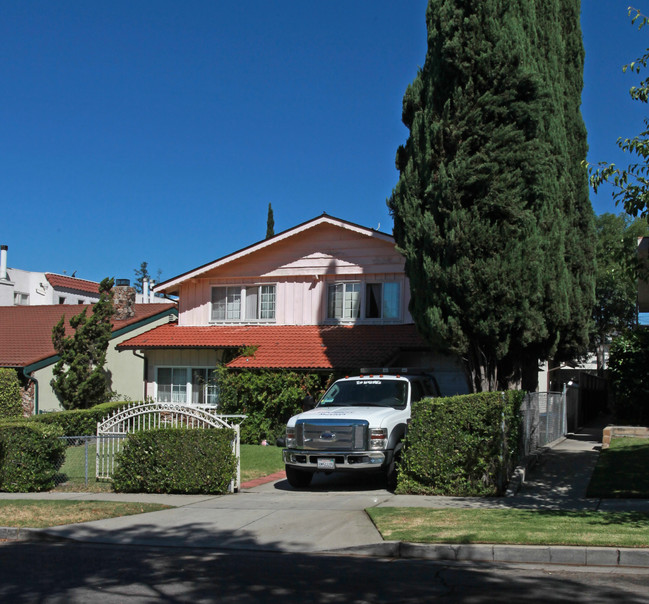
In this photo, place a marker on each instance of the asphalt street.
(69, 572)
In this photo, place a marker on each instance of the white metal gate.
(112, 431)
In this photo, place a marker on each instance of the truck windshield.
(367, 393)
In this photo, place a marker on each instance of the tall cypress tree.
(270, 223)
(480, 208)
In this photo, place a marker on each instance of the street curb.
(526, 554)
(24, 534)
(440, 552)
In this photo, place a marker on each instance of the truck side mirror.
(308, 402)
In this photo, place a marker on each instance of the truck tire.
(298, 479)
(391, 473)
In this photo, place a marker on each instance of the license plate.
(326, 464)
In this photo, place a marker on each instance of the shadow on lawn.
(621, 472)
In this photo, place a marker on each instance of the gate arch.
(112, 430)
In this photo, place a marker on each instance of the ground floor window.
(187, 385)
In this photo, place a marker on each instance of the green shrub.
(176, 460)
(11, 402)
(267, 398)
(79, 422)
(461, 445)
(30, 455)
(628, 363)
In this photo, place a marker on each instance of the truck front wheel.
(391, 472)
(298, 479)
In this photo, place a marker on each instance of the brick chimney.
(123, 299)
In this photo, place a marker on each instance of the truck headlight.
(378, 439)
(291, 440)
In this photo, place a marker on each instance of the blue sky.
(159, 131)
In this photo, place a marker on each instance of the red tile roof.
(291, 346)
(65, 282)
(26, 331)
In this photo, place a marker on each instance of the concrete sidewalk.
(329, 516)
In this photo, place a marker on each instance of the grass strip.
(258, 461)
(24, 513)
(512, 526)
(621, 470)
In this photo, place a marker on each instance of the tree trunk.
(481, 370)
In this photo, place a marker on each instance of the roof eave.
(171, 286)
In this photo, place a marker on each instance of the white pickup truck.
(358, 425)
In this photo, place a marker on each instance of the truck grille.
(332, 435)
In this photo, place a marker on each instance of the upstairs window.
(382, 301)
(238, 304)
(344, 301)
(21, 299)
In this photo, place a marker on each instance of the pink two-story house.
(326, 295)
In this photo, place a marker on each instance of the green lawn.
(621, 470)
(72, 474)
(41, 514)
(258, 461)
(516, 527)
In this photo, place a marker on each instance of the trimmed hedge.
(267, 398)
(463, 446)
(30, 455)
(176, 460)
(628, 363)
(11, 402)
(79, 422)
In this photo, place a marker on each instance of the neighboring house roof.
(65, 282)
(26, 331)
(171, 285)
(290, 346)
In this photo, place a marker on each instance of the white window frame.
(262, 295)
(340, 311)
(21, 299)
(186, 387)
(350, 304)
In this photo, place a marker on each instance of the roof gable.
(267, 246)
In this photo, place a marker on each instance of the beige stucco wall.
(126, 368)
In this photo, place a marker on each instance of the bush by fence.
(30, 455)
(78, 422)
(176, 460)
(628, 365)
(267, 398)
(11, 404)
(461, 445)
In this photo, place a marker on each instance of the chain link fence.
(78, 469)
(544, 419)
